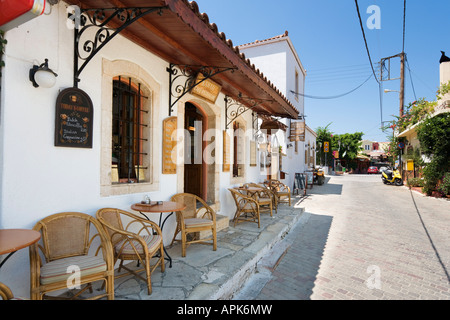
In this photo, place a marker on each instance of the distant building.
(377, 151)
(278, 60)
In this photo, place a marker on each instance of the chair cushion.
(248, 206)
(264, 200)
(55, 271)
(196, 222)
(153, 243)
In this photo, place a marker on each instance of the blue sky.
(328, 39)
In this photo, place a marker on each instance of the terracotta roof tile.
(281, 36)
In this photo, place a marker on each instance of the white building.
(47, 167)
(279, 61)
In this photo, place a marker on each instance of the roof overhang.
(183, 36)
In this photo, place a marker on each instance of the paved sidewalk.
(205, 274)
(361, 240)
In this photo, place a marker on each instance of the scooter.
(392, 177)
(319, 176)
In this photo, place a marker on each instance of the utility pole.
(402, 82)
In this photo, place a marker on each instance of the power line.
(365, 41)
(404, 25)
(331, 97)
(334, 79)
(410, 76)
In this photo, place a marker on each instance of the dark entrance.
(194, 179)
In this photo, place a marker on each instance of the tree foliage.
(434, 137)
(348, 145)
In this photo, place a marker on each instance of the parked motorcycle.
(390, 176)
(319, 176)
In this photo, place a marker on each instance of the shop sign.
(297, 131)
(206, 88)
(73, 119)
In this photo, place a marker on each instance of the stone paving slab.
(205, 274)
(362, 240)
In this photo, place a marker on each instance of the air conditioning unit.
(13, 13)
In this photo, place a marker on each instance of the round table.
(12, 240)
(165, 207)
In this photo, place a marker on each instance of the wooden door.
(193, 167)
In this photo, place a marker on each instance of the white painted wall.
(278, 60)
(444, 77)
(39, 179)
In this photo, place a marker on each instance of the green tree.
(348, 145)
(434, 137)
(323, 135)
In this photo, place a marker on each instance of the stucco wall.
(39, 179)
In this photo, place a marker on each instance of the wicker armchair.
(142, 245)
(5, 292)
(67, 244)
(247, 208)
(280, 189)
(197, 216)
(265, 198)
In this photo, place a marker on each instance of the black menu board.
(74, 119)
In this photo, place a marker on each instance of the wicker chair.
(280, 189)
(247, 208)
(197, 216)
(5, 292)
(66, 244)
(265, 198)
(143, 245)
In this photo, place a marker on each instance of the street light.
(388, 90)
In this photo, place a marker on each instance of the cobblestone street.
(364, 240)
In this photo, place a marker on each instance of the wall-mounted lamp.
(42, 76)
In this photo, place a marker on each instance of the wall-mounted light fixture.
(42, 76)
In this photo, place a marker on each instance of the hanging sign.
(73, 119)
(169, 145)
(297, 131)
(206, 88)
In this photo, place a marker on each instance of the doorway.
(194, 166)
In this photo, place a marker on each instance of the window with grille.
(130, 134)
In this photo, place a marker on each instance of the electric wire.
(410, 76)
(332, 97)
(365, 40)
(334, 79)
(404, 24)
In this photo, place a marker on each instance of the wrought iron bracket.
(255, 128)
(93, 24)
(182, 79)
(235, 108)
